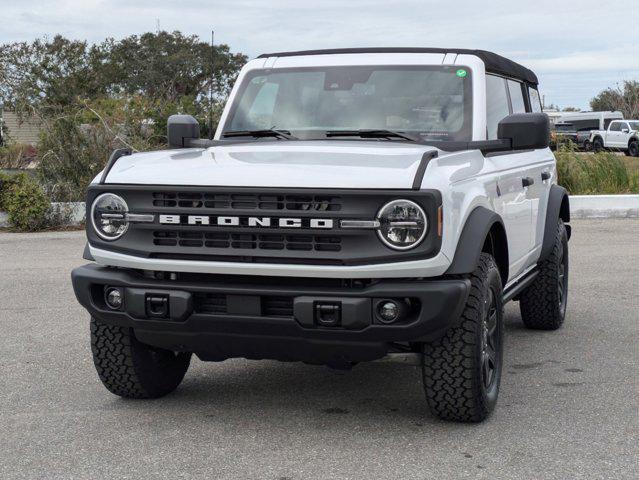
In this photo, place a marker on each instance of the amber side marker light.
(440, 221)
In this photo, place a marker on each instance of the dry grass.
(597, 174)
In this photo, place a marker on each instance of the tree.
(570, 109)
(623, 98)
(163, 66)
(171, 65)
(53, 72)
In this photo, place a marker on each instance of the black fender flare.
(471, 241)
(558, 207)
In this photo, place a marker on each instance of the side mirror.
(180, 128)
(525, 131)
(625, 130)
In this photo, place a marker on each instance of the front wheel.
(633, 148)
(462, 370)
(543, 304)
(132, 369)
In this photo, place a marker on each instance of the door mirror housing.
(180, 129)
(625, 130)
(525, 131)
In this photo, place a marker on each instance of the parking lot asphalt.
(568, 409)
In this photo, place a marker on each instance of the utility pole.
(211, 85)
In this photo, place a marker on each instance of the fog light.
(388, 311)
(113, 298)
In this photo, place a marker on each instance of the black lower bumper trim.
(257, 321)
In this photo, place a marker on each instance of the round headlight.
(108, 216)
(403, 224)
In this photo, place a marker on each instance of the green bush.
(7, 182)
(595, 174)
(24, 201)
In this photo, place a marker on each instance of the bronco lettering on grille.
(268, 222)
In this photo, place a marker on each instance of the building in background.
(14, 129)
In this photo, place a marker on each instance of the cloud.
(557, 39)
(610, 60)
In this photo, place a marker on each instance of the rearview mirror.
(525, 131)
(181, 128)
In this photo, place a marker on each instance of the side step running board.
(520, 285)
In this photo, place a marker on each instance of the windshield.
(634, 125)
(429, 102)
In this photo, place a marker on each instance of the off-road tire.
(542, 305)
(633, 148)
(452, 366)
(132, 369)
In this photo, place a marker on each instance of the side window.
(516, 97)
(496, 104)
(615, 127)
(535, 100)
(625, 126)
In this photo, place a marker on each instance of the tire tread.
(539, 302)
(450, 373)
(125, 368)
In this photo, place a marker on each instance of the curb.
(604, 206)
(581, 206)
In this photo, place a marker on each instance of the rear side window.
(535, 100)
(496, 104)
(516, 96)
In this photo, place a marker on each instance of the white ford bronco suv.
(353, 205)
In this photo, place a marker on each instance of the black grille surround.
(256, 244)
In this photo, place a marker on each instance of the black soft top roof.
(494, 63)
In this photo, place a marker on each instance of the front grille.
(247, 241)
(309, 203)
(230, 225)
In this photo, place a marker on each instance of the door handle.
(545, 176)
(527, 181)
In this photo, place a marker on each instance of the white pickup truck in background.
(621, 135)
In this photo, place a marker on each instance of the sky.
(577, 48)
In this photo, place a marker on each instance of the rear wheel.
(132, 369)
(633, 148)
(543, 304)
(462, 370)
(597, 145)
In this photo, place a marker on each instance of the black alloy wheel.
(491, 336)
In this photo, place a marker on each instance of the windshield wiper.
(370, 134)
(271, 132)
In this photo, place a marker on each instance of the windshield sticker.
(461, 73)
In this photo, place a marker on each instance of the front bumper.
(219, 317)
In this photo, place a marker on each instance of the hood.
(301, 164)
